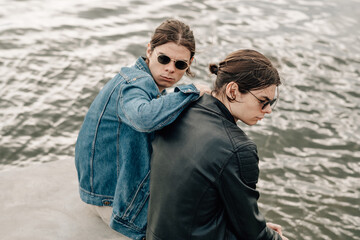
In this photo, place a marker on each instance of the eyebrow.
(266, 98)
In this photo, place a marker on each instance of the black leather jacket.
(204, 172)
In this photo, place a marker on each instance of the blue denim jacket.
(113, 149)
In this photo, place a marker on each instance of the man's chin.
(165, 84)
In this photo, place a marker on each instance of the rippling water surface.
(56, 55)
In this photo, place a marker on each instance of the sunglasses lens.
(163, 59)
(269, 102)
(273, 101)
(181, 65)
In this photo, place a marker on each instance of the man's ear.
(148, 51)
(232, 90)
(191, 60)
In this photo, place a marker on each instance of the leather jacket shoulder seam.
(226, 162)
(235, 146)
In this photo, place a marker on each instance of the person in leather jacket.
(204, 168)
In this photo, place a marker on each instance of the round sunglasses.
(265, 103)
(164, 59)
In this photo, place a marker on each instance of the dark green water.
(56, 55)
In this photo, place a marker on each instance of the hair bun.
(214, 68)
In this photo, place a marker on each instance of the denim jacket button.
(107, 203)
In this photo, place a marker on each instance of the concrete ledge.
(42, 202)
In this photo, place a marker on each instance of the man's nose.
(170, 67)
(267, 109)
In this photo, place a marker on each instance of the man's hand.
(277, 228)
(202, 88)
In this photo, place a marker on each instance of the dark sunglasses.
(265, 103)
(179, 64)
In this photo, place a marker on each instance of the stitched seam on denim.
(135, 195)
(127, 224)
(140, 66)
(126, 78)
(188, 89)
(96, 195)
(140, 208)
(95, 137)
(169, 118)
(118, 147)
(120, 99)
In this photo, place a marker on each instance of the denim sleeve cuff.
(187, 89)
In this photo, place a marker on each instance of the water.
(56, 55)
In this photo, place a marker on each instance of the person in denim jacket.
(113, 149)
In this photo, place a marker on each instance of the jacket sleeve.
(140, 108)
(240, 199)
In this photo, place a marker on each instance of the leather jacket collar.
(216, 106)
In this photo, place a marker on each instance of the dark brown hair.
(249, 69)
(172, 30)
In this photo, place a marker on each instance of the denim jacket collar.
(142, 65)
